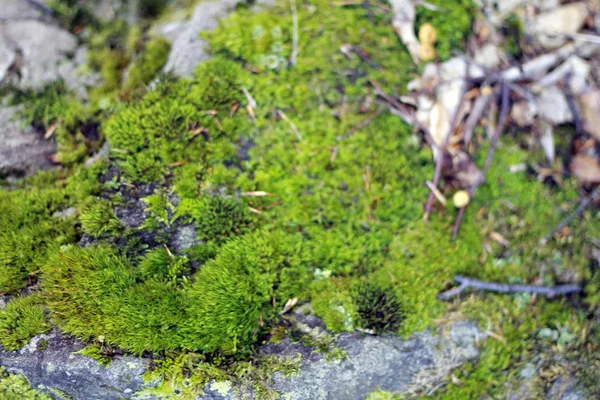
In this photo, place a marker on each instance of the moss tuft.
(22, 319)
(378, 307)
(218, 83)
(98, 218)
(217, 218)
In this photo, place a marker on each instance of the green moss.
(161, 265)
(233, 296)
(217, 218)
(97, 352)
(98, 218)
(28, 230)
(16, 387)
(149, 64)
(218, 83)
(377, 307)
(159, 207)
(21, 320)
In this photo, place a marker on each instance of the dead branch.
(362, 124)
(294, 56)
(502, 121)
(548, 291)
(585, 203)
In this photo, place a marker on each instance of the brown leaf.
(591, 112)
(586, 168)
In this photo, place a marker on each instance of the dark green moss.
(22, 319)
(378, 307)
(149, 64)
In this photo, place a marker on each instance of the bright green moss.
(21, 320)
(16, 387)
(149, 64)
(159, 264)
(97, 352)
(218, 83)
(98, 218)
(217, 218)
(28, 231)
(233, 296)
(159, 207)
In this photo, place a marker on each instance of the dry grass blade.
(362, 124)
(292, 125)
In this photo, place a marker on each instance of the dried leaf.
(590, 105)
(547, 141)
(403, 23)
(499, 238)
(289, 305)
(586, 168)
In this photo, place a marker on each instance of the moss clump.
(217, 218)
(97, 352)
(21, 320)
(160, 209)
(218, 83)
(16, 387)
(149, 64)
(98, 218)
(233, 297)
(160, 264)
(96, 292)
(28, 230)
(378, 307)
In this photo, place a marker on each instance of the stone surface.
(34, 51)
(22, 151)
(59, 370)
(387, 363)
(188, 48)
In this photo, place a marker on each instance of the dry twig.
(585, 203)
(362, 124)
(548, 291)
(502, 121)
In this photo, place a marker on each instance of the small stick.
(502, 121)
(585, 203)
(548, 291)
(362, 124)
(292, 125)
(437, 176)
(294, 57)
(438, 195)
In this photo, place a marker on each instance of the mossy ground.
(341, 225)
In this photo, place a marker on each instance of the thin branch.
(362, 124)
(291, 123)
(294, 57)
(548, 291)
(502, 121)
(585, 203)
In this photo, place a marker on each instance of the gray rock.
(566, 388)
(34, 51)
(188, 48)
(387, 363)
(40, 48)
(22, 151)
(58, 369)
(185, 237)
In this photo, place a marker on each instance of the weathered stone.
(387, 363)
(22, 151)
(188, 48)
(34, 51)
(59, 369)
(185, 237)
